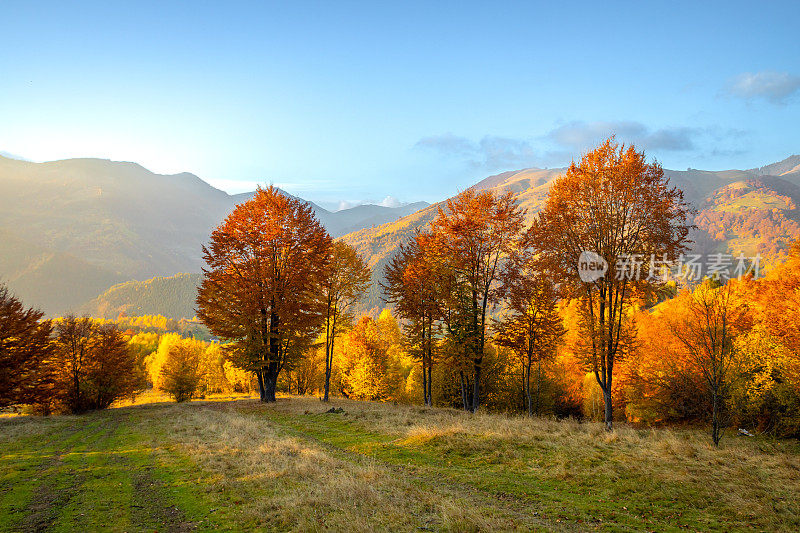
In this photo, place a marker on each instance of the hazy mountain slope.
(70, 229)
(172, 297)
(377, 245)
(118, 216)
(355, 218)
(366, 216)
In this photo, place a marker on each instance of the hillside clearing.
(291, 466)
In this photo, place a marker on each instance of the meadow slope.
(241, 465)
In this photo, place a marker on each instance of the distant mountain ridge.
(70, 229)
(789, 165)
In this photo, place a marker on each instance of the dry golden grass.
(757, 480)
(299, 484)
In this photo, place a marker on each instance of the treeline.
(187, 367)
(664, 379)
(737, 343)
(161, 325)
(77, 364)
(68, 365)
(573, 314)
(542, 318)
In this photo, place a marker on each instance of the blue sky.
(359, 100)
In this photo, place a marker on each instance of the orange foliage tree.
(181, 372)
(347, 279)
(706, 330)
(365, 375)
(25, 351)
(410, 284)
(95, 363)
(472, 234)
(778, 301)
(532, 328)
(261, 289)
(616, 205)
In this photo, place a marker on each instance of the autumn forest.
(482, 311)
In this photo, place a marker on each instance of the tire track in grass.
(20, 489)
(150, 506)
(124, 489)
(59, 482)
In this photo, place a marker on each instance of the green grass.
(93, 472)
(243, 465)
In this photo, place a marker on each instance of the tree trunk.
(270, 382)
(476, 386)
(430, 379)
(464, 392)
(539, 387)
(715, 424)
(329, 332)
(270, 372)
(327, 381)
(427, 361)
(424, 378)
(527, 385)
(609, 415)
(260, 376)
(328, 371)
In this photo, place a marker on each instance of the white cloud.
(344, 204)
(582, 135)
(568, 140)
(391, 201)
(775, 87)
(491, 152)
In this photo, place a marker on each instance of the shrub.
(181, 373)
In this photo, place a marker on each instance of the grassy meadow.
(237, 464)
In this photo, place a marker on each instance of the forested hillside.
(172, 297)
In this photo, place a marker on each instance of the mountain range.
(71, 229)
(76, 234)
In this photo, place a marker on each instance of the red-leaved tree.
(261, 289)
